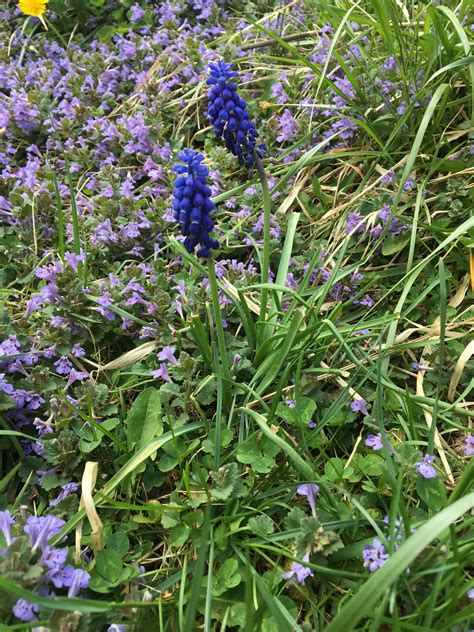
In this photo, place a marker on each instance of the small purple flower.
(409, 184)
(309, 490)
(469, 445)
(312, 425)
(5, 386)
(74, 260)
(77, 351)
(162, 372)
(6, 521)
(80, 579)
(374, 442)
(470, 594)
(41, 529)
(42, 427)
(388, 178)
(63, 366)
(75, 376)
(53, 558)
(425, 467)
(359, 405)
(67, 489)
(374, 556)
(167, 355)
(25, 611)
(390, 63)
(300, 571)
(420, 367)
(291, 403)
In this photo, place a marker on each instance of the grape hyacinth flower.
(228, 114)
(374, 556)
(192, 203)
(425, 467)
(299, 571)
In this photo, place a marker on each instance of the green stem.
(219, 328)
(266, 236)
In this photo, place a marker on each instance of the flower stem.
(266, 236)
(219, 329)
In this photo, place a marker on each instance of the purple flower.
(469, 445)
(167, 355)
(63, 366)
(420, 367)
(67, 489)
(74, 260)
(5, 386)
(192, 203)
(309, 490)
(6, 521)
(42, 427)
(136, 13)
(409, 184)
(374, 556)
(388, 178)
(470, 594)
(291, 403)
(228, 114)
(390, 63)
(299, 571)
(77, 351)
(359, 405)
(374, 442)
(80, 579)
(53, 558)
(425, 467)
(41, 529)
(288, 126)
(25, 611)
(75, 376)
(355, 222)
(162, 372)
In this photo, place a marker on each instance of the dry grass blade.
(459, 368)
(89, 479)
(129, 358)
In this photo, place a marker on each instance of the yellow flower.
(32, 7)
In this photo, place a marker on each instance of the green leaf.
(108, 563)
(144, 419)
(260, 456)
(392, 245)
(262, 525)
(226, 482)
(226, 577)
(301, 414)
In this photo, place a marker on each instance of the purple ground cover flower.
(6, 521)
(359, 405)
(425, 467)
(374, 556)
(25, 611)
(67, 489)
(41, 529)
(298, 571)
(469, 445)
(374, 442)
(309, 490)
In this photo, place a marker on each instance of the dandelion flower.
(33, 7)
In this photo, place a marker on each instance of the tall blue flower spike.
(192, 203)
(228, 114)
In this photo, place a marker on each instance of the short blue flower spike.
(192, 203)
(228, 114)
